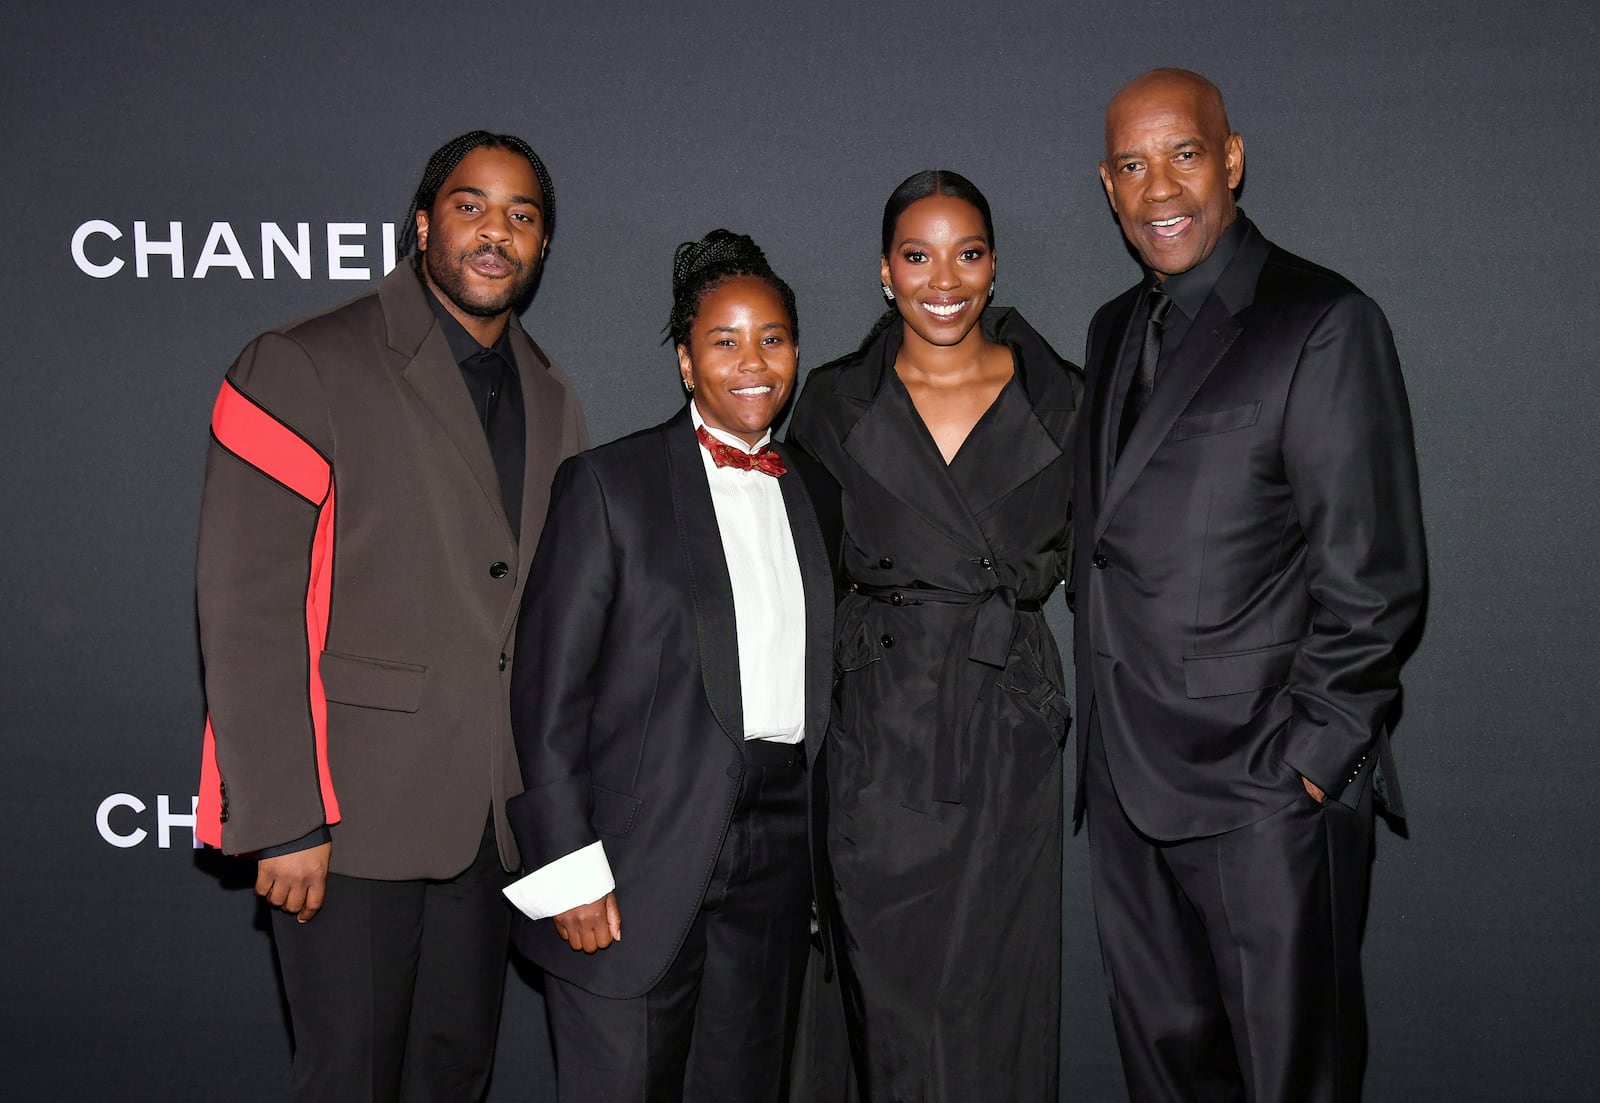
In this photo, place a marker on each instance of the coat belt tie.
(978, 652)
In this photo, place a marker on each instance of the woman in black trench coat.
(949, 432)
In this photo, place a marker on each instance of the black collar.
(1189, 290)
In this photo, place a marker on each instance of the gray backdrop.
(1441, 155)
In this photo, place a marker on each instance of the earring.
(888, 293)
(991, 289)
(688, 387)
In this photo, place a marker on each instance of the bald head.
(1171, 85)
(1171, 166)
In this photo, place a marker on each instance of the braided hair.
(921, 186)
(444, 162)
(699, 266)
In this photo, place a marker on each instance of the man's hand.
(1311, 787)
(591, 927)
(295, 882)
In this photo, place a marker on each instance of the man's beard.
(451, 279)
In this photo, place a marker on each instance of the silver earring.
(888, 293)
(991, 289)
(688, 387)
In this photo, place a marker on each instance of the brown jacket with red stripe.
(358, 585)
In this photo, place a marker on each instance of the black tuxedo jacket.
(1248, 566)
(625, 694)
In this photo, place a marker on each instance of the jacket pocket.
(1238, 671)
(613, 813)
(1219, 421)
(372, 683)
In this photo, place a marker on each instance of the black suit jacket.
(1247, 568)
(625, 696)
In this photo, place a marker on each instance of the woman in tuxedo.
(670, 688)
(949, 432)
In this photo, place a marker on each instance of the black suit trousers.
(719, 1025)
(1232, 960)
(394, 987)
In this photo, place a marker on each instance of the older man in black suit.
(1249, 557)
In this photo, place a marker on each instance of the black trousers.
(394, 987)
(719, 1025)
(1233, 961)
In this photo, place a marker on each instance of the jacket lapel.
(1208, 340)
(435, 377)
(709, 584)
(1042, 387)
(1110, 387)
(816, 578)
(891, 442)
(543, 409)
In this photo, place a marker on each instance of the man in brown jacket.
(377, 480)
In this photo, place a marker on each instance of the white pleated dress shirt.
(770, 614)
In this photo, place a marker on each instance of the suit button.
(498, 570)
(887, 640)
(986, 563)
(503, 660)
(886, 562)
(897, 598)
(735, 771)
(1100, 561)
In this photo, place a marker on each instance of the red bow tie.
(765, 461)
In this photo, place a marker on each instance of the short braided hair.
(699, 266)
(444, 162)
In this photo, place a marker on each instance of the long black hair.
(444, 162)
(699, 266)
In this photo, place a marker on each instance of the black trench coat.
(945, 766)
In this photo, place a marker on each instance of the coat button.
(897, 598)
(887, 640)
(1100, 561)
(498, 569)
(886, 562)
(735, 771)
(503, 660)
(986, 563)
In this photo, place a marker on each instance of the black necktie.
(1144, 379)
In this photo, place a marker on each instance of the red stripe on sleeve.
(269, 445)
(265, 443)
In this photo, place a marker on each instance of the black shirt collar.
(1189, 290)
(463, 345)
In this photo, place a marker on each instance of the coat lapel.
(709, 584)
(1110, 387)
(543, 409)
(891, 443)
(1207, 342)
(435, 377)
(1042, 388)
(816, 578)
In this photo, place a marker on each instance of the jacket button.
(503, 660)
(897, 598)
(1100, 562)
(886, 562)
(986, 563)
(735, 771)
(887, 640)
(498, 569)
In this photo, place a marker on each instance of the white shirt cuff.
(581, 877)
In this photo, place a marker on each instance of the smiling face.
(741, 357)
(1171, 167)
(484, 238)
(940, 266)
